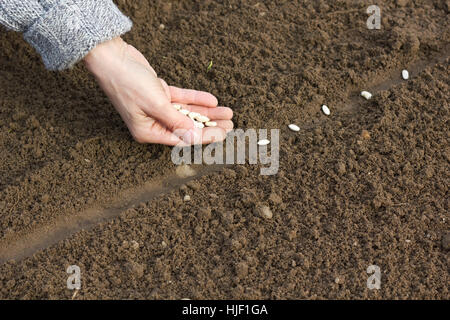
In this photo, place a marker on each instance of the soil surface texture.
(366, 185)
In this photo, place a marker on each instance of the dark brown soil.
(367, 185)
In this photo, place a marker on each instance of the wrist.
(106, 55)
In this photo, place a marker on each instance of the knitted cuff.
(70, 29)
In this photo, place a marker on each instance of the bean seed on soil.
(405, 74)
(326, 110)
(187, 198)
(263, 142)
(211, 124)
(366, 94)
(294, 127)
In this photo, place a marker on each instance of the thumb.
(182, 126)
(177, 123)
(160, 108)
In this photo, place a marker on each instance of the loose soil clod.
(365, 135)
(264, 211)
(185, 171)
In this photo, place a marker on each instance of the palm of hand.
(146, 118)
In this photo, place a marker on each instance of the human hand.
(144, 101)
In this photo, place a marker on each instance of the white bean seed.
(177, 106)
(366, 94)
(184, 111)
(211, 124)
(202, 118)
(193, 115)
(294, 127)
(326, 110)
(263, 142)
(405, 74)
(198, 125)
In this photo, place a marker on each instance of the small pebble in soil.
(405, 74)
(135, 244)
(365, 134)
(264, 211)
(162, 26)
(187, 198)
(263, 142)
(164, 244)
(184, 171)
(326, 110)
(294, 127)
(242, 270)
(340, 168)
(366, 94)
(135, 269)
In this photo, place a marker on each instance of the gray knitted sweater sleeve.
(64, 31)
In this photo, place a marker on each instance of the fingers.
(167, 139)
(213, 134)
(189, 96)
(225, 124)
(208, 135)
(151, 131)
